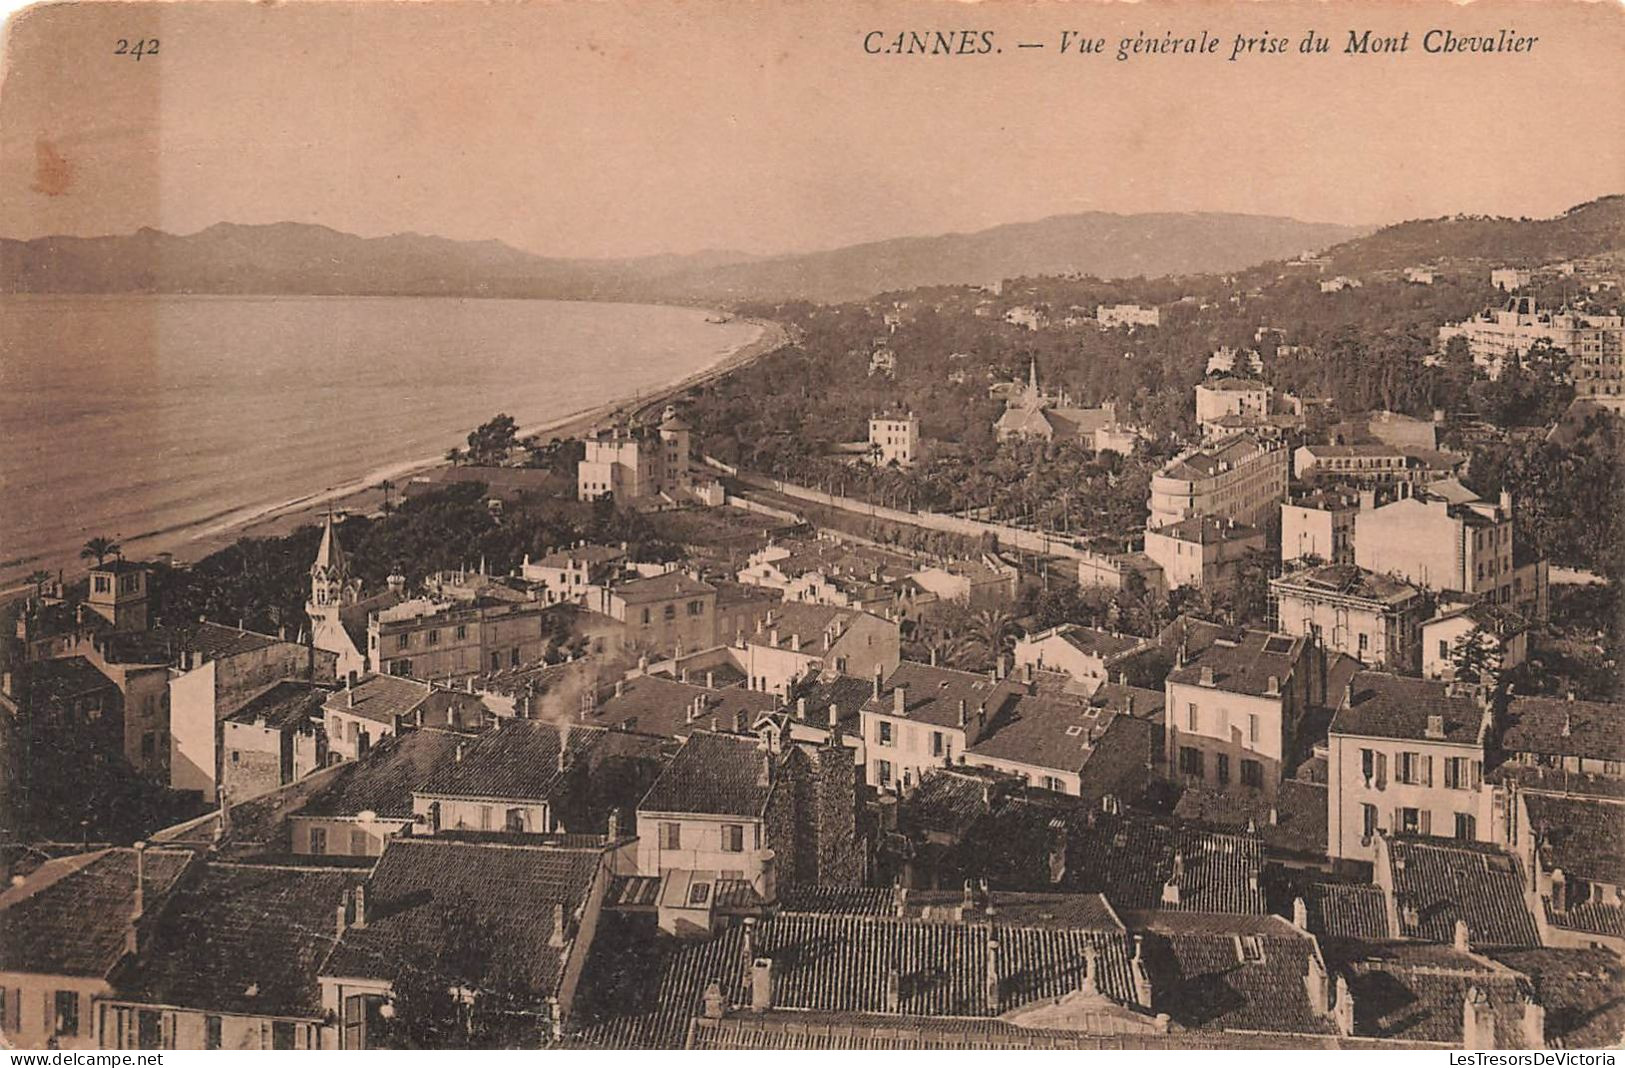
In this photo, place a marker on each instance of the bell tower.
(331, 588)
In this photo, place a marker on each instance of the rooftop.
(1208, 530)
(519, 761)
(1092, 641)
(1244, 668)
(653, 705)
(428, 895)
(1585, 837)
(1396, 706)
(380, 698)
(1438, 881)
(1343, 910)
(713, 774)
(1346, 580)
(1418, 993)
(383, 781)
(1555, 726)
(287, 704)
(72, 916)
(933, 694)
(1207, 462)
(242, 939)
(671, 585)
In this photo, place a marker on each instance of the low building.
(1239, 478)
(1130, 315)
(365, 803)
(1234, 711)
(1501, 635)
(797, 639)
(1463, 893)
(567, 574)
(662, 614)
(452, 640)
(364, 713)
(1202, 551)
(1088, 655)
(985, 583)
(1440, 545)
(1508, 279)
(638, 463)
(1071, 744)
(1373, 618)
(537, 909)
(277, 737)
(920, 717)
(1117, 571)
(66, 929)
(232, 963)
(1580, 737)
(1374, 464)
(1220, 397)
(1405, 756)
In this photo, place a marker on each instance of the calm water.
(127, 416)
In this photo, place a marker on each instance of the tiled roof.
(841, 963)
(1439, 881)
(661, 588)
(653, 705)
(1582, 991)
(286, 704)
(380, 698)
(1130, 857)
(934, 693)
(1045, 732)
(242, 939)
(1555, 726)
(820, 689)
(1095, 642)
(951, 799)
(1234, 385)
(63, 679)
(1245, 668)
(581, 554)
(713, 774)
(1583, 836)
(1137, 701)
(72, 916)
(1418, 992)
(518, 761)
(425, 895)
(165, 644)
(1396, 706)
(843, 900)
(1343, 910)
(1204, 463)
(1204, 977)
(384, 780)
(1295, 823)
(1346, 580)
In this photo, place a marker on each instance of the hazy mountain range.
(301, 258)
(306, 259)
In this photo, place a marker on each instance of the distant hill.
(1584, 230)
(307, 259)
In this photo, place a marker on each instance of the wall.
(1346, 791)
(345, 837)
(461, 813)
(1390, 637)
(192, 756)
(31, 1001)
(252, 760)
(700, 845)
(1223, 728)
(185, 1029)
(910, 751)
(1317, 532)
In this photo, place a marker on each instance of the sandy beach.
(192, 545)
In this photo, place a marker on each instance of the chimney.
(613, 833)
(1091, 964)
(834, 716)
(773, 637)
(715, 1003)
(1142, 981)
(992, 984)
(620, 687)
(1534, 1024)
(801, 708)
(556, 939)
(880, 680)
(564, 747)
(1343, 1007)
(342, 917)
(1272, 686)
(1300, 914)
(710, 680)
(761, 984)
(360, 922)
(1027, 673)
(457, 754)
(1348, 694)
(1207, 675)
(899, 695)
(795, 643)
(899, 899)
(1314, 984)
(933, 656)
(139, 906)
(964, 714)
(747, 946)
(1435, 727)
(1477, 1021)
(894, 998)
(1460, 937)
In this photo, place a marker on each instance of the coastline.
(365, 494)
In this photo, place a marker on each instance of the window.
(103, 584)
(1252, 774)
(883, 772)
(1444, 649)
(733, 838)
(1252, 727)
(149, 1029)
(1190, 761)
(281, 1034)
(1222, 770)
(67, 1012)
(1191, 720)
(1250, 949)
(513, 656)
(671, 836)
(1052, 783)
(1466, 827)
(434, 637)
(670, 612)
(936, 743)
(211, 1032)
(236, 757)
(699, 893)
(647, 618)
(1457, 773)
(1368, 820)
(462, 632)
(885, 737)
(1365, 644)
(485, 817)
(402, 641)
(1410, 821)
(358, 843)
(1410, 768)
(696, 608)
(318, 841)
(149, 745)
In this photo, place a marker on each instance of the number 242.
(147, 46)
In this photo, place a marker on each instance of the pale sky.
(608, 128)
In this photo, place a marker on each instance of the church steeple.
(1032, 377)
(330, 585)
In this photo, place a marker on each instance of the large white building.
(894, 438)
(1240, 478)
(631, 464)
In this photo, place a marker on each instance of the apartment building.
(1239, 478)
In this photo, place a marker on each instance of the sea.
(155, 420)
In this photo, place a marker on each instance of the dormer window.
(1249, 949)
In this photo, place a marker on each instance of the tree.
(490, 442)
(454, 455)
(1473, 657)
(38, 579)
(100, 549)
(994, 628)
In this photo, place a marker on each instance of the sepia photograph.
(909, 525)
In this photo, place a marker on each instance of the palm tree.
(994, 628)
(100, 548)
(38, 579)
